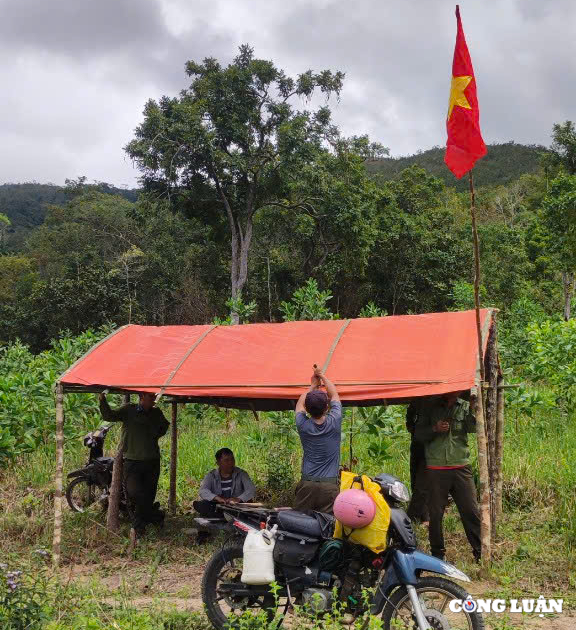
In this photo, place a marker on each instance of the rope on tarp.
(186, 355)
(334, 344)
(96, 388)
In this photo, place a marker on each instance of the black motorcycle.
(90, 485)
(310, 567)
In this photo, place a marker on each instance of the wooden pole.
(499, 451)
(476, 273)
(113, 515)
(485, 517)
(57, 539)
(491, 415)
(173, 458)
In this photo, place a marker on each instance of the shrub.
(26, 393)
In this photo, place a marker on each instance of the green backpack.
(331, 554)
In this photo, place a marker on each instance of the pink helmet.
(354, 508)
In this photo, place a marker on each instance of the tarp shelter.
(372, 361)
(266, 366)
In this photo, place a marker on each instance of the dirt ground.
(177, 586)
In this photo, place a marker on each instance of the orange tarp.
(266, 366)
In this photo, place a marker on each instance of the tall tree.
(234, 137)
(4, 225)
(564, 145)
(560, 216)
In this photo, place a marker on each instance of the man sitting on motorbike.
(142, 426)
(319, 424)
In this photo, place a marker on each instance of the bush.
(553, 357)
(26, 393)
(23, 595)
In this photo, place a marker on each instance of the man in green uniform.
(142, 426)
(443, 425)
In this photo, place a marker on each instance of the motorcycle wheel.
(82, 495)
(436, 593)
(225, 568)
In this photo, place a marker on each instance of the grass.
(534, 548)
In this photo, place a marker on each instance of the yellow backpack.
(373, 536)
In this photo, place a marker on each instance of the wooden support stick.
(57, 539)
(173, 458)
(113, 515)
(499, 451)
(485, 518)
(491, 413)
(485, 513)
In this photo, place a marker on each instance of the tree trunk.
(173, 458)
(241, 243)
(57, 539)
(568, 282)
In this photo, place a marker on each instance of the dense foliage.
(27, 397)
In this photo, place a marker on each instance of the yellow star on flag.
(457, 96)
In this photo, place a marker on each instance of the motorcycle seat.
(105, 461)
(300, 523)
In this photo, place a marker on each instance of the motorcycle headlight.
(399, 492)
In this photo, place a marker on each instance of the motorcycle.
(310, 568)
(90, 485)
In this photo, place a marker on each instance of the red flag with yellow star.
(465, 144)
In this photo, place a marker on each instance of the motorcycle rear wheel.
(436, 592)
(225, 568)
(83, 496)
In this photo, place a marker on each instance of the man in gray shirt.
(226, 485)
(319, 424)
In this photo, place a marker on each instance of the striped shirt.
(227, 488)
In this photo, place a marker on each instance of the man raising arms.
(319, 424)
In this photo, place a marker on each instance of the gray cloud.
(77, 73)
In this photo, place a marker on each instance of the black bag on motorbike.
(326, 522)
(300, 523)
(293, 552)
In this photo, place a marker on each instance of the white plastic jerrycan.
(258, 557)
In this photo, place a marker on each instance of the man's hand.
(442, 426)
(233, 500)
(221, 500)
(316, 380)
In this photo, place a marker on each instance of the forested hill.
(503, 164)
(25, 204)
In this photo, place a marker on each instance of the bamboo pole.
(113, 515)
(173, 458)
(491, 414)
(57, 539)
(485, 517)
(499, 451)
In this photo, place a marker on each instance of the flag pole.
(483, 470)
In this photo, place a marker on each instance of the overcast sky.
(75, 74)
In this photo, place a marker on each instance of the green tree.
(419, 251)
(4, 225)
(564, 145)
(234, 138)
(308, 303)
(559, 212)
